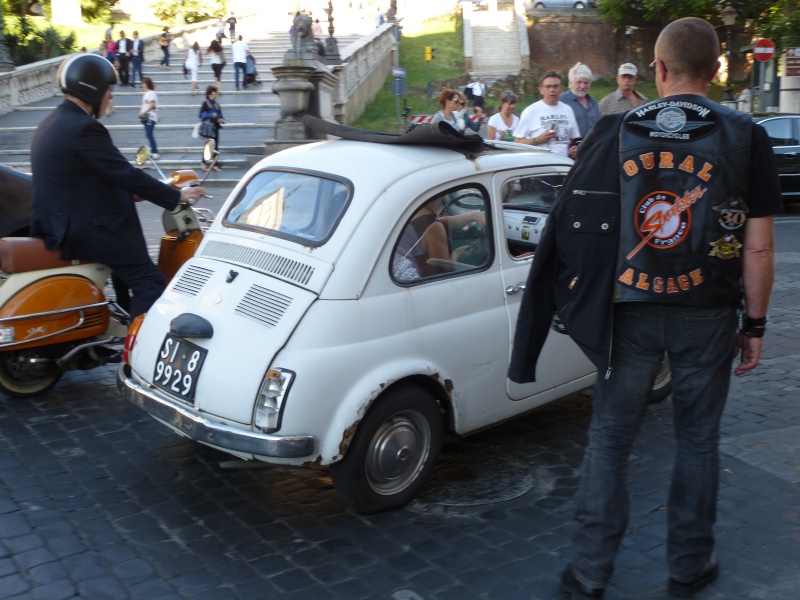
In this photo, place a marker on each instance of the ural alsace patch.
(678, 120)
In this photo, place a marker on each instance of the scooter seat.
(22, 254)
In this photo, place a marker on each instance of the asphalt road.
(98, 501)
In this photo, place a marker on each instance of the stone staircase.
(250, 114)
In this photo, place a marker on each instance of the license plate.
(178, 367)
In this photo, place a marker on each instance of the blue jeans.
(165, 58)
(240, 66)
(699, 343)
(149, 126)
(136, 67)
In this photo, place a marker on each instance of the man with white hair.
(625, 98)
(577, 97)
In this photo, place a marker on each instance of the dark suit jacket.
(83, 191)
(128, 47)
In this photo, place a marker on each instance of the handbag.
(207, 129)
(196, 130)
(144, 118)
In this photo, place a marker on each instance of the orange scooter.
(55, 315)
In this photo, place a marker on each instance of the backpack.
(468, 92)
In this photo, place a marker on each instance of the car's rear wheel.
(538, 5)
(21, 376)
(393, 453)
(662, 386)
(579, 5)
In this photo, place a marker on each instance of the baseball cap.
(627, 69)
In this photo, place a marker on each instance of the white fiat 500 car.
(352, 302)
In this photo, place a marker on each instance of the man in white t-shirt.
(549, 122)
(239, 54)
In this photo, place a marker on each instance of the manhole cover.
(475, 475)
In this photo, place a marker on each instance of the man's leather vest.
(685, 166)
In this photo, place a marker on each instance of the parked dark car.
(15, 202)
(784, 135)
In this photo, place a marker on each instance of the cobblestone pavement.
(98, 501)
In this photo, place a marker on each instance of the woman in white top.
(217, 61)
(193, 62)
(502, 124)
(148, 113)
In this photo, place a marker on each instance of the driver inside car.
(434, 231)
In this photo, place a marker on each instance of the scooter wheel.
(19, 378)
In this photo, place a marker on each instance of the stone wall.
(559, 41)
(366, 64)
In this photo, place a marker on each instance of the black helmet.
(87, 77)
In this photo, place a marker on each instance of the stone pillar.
(294, 88)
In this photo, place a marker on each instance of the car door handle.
(515, 289)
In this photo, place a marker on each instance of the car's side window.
(527, 201)
(446, 236)
(780, 132)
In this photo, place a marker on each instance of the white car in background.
(316, 325)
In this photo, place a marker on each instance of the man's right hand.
(191, 194)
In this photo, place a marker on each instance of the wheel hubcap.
(398, 453)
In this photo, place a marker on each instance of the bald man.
(676, 242)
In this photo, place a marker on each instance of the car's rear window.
(305, 207)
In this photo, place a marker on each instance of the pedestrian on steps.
(148, 113)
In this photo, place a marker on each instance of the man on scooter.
(84, 189)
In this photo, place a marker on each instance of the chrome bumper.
(203, 430)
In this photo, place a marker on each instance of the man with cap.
(625, 98)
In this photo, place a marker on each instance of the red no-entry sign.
(764, 49)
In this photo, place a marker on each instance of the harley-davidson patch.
(681, 120)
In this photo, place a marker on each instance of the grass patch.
(445, 34)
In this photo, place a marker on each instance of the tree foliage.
(778, 20)
(190, 11)
(28, 43)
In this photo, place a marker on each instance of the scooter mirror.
(141, 156)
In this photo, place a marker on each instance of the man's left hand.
(751, 353)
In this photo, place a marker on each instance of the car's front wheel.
(393, 453)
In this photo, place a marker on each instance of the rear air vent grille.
(192, 281)
(263, 305)
(266, 262)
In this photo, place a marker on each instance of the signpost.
(764, 50)
(398, 89)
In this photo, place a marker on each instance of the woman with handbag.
(148, 113)
(217, 62)
(164, 41)
(211, 112)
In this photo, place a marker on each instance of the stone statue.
(303, 37)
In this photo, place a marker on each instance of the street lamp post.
(729, 15)
(332, 56)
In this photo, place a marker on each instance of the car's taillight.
(130, 339)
